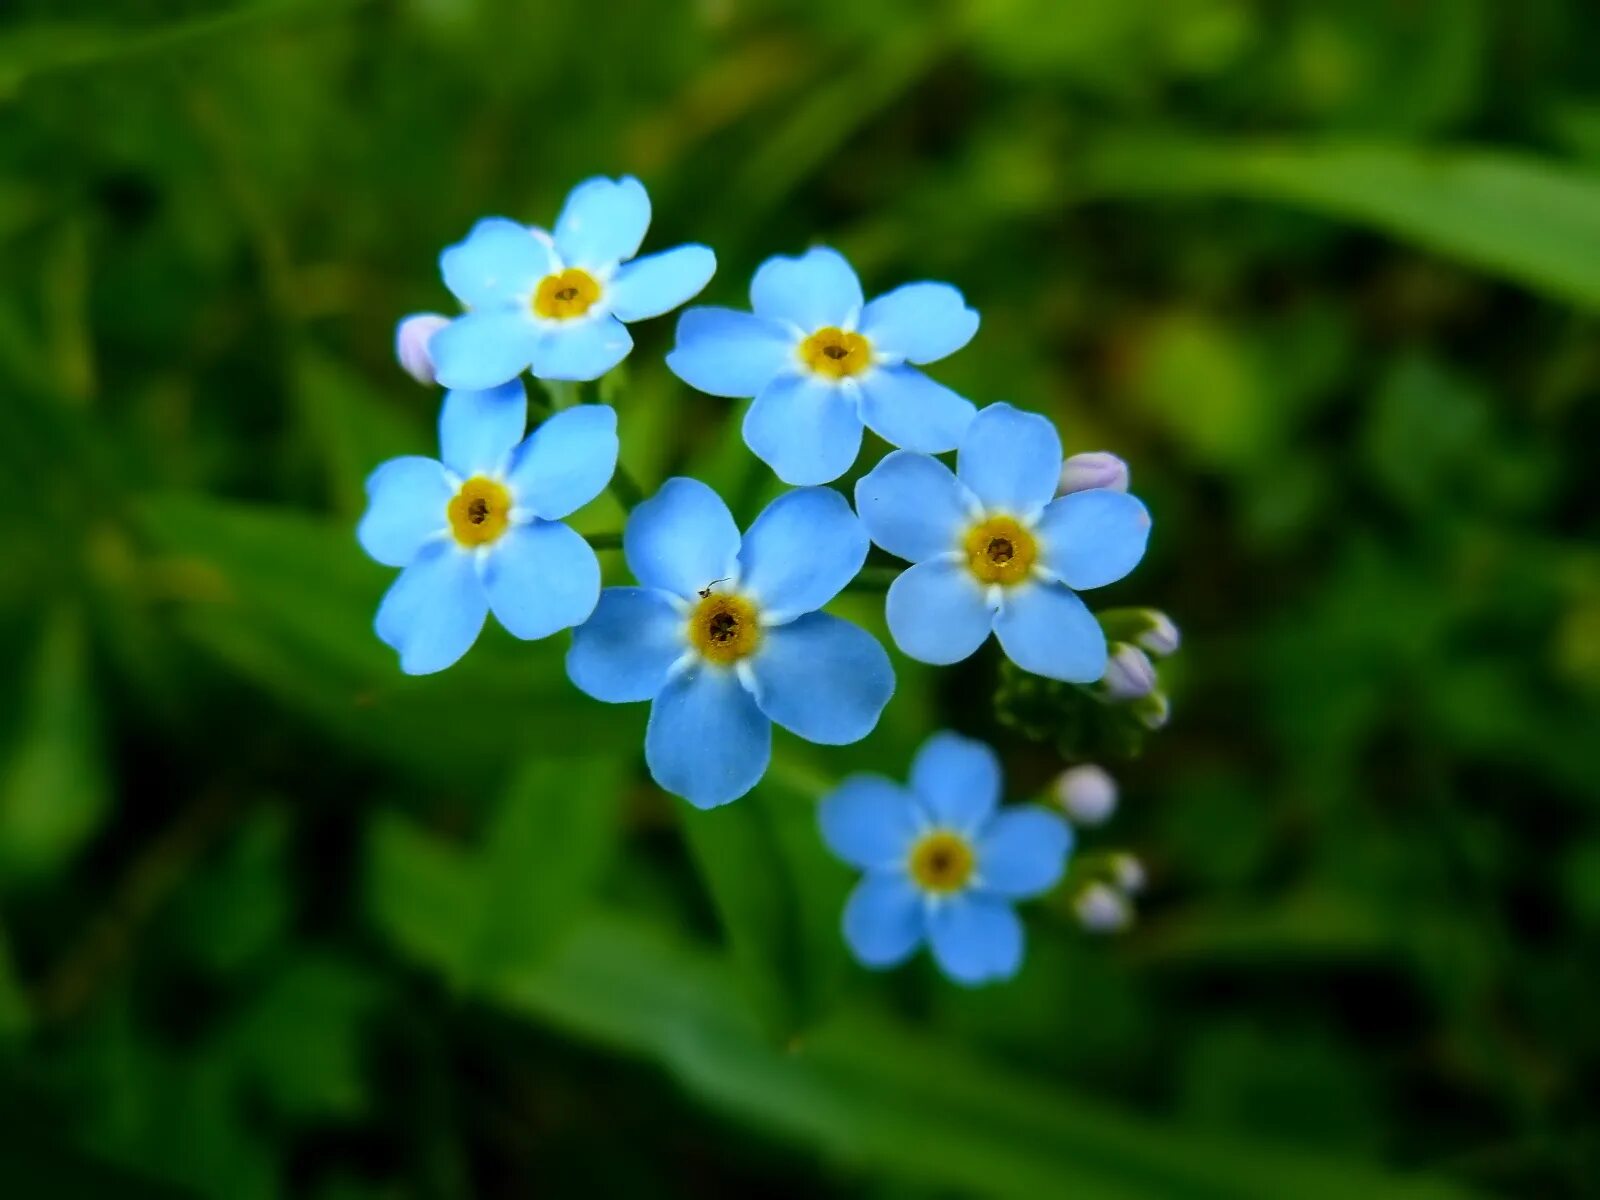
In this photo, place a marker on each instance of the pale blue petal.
(937, 612)
(906, 408)
(407, 499)
(883, 920)
(800, 552)
(1045, 628)
(602, 222)
(432, 614)
(541, 577)
(498, 263)
(581, 350)
(1023, 852)
(914, 506)
(919, 322)
(957, 779)
(822, 678)
(976, 939)
(681, 539)
(728, 353)
(624, 651)
(707, 741)
(807, 431)
(1010, 459)
(478, 430)
(658, 283)
(1093, 538)
(483, 349)
(869, 822)
(812, 290)
(566, 462)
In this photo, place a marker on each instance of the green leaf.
(1530, 220)
(423, 893)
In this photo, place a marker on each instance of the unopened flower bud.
(1161, 638)
(1153, 710)
(411, 338)
(1100, 908)
(1094, 469)
(1129, 673)
(1087, 793)
(1128, 873)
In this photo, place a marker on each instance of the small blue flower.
(943, 862)
(481, 531)
(993, 551)
(724, 636)
(556, 303)
(821, 363)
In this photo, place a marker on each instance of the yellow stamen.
(942, 861)
(479, 512)
(835, 353)
(565, 295)
(724, 628)
(1000, 550)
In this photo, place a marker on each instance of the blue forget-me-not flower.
(993, 551)
(943, 862)
(556, 302)
(821, 362)
(724, 637)
(480, 529)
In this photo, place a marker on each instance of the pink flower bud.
(1162, 637)
(1128, 873)
(1102, 909)
(1129, 673)
(1087, 793)
(1094, 469)
(411, 339)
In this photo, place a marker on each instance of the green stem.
(625, 489)
(605, 541)
(873, 579)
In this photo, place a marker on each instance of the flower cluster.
(724, 632)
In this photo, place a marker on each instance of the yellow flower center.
(565, 295)
(724, 628)
(999, 550)
(479, 512)
(835, 353)
(942, 861)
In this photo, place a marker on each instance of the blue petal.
(919, 322)
(728, 353)
(566, 462)
(937, 612)
(541, 577)
(1046, 629)
(822, 678)
(805, 430)
(883, 920)
(913, 506)
(581, 350)
(658, 283)
(812, 290)
(800, 552)
(975, 939)
(624, 651)
(483, 349)
(1010, 459)
(602, 222)
(498, 263)
(957, 779)
(433, 612)
(869, 822)
(681, 539)
(906, 408)
(1023, 852)
(407, 500)
(1093, 538)
(478, 430)
(707, 741)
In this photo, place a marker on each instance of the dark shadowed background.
(277, 921)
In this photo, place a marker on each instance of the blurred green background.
(277, 921)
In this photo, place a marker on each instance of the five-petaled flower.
(993, 551)
(481, 530)
(556, 302)
(820, 362)
(724, 636)
(943, 863)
